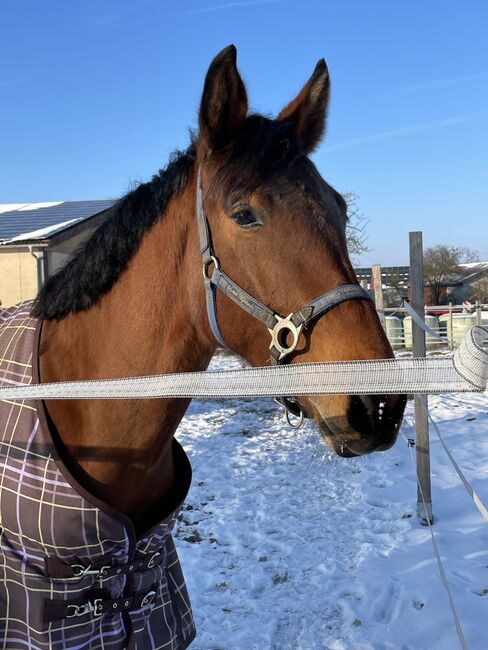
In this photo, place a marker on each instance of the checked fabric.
(48, 522)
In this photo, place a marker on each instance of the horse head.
(277, 232)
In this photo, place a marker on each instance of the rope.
(440, 565)
(465, 371)
(472, 493)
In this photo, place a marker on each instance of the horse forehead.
(300, 193)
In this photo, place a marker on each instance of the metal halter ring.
(293, 424)
(286, 403)
(282, 328)
(212, 260)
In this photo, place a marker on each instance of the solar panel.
(18, 222)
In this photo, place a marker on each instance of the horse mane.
(96, 265)
(260, 148)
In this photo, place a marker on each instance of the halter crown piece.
(280, 327)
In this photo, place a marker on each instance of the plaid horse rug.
(73, 575)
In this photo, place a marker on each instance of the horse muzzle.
(361, 424)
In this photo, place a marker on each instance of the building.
(36, 239)
(395, 281)
(460, 285)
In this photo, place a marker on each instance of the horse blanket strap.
(97, 563)
(59, 568)
(96, 604)
(281, 328)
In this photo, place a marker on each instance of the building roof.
(469, 272)
(21, 222)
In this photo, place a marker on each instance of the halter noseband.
(279, 327)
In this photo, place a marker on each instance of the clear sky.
(95, 94)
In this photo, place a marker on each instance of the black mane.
(260, 148)
(100, 260)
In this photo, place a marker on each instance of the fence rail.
(450, 322)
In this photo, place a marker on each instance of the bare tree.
(441, 263)
(467, 255)
(396, 282)
(480, 289)
(356, 226)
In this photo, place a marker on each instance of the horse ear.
(224, 100)
(307, 112)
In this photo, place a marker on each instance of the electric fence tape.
(415, 317)
(440, 565)
(472, 493)
(465, 371)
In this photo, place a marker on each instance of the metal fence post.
(378, 293)
(450, 334)
(424, 513)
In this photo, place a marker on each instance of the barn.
(36, 239)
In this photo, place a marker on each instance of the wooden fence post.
(378, 293)
(424, 513)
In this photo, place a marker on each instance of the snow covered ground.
(288, 547)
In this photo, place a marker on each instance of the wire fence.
(483, 510)
(448, 324)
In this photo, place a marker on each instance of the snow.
(472, 265)
(23, 207)
(8, 207)
(288, 547)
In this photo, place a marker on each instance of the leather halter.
(280, 327)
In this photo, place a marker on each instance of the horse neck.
(150, 322)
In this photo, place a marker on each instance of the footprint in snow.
(379, 482)
(377, 503)
(386, 608)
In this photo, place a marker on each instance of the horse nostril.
(368, 402)
(376, 414)
(375, 406)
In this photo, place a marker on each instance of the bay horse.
(132, 300)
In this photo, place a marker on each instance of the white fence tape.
(421, 323)
(465, 371)
(471, 491)
(442, 572)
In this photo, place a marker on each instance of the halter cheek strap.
(281, 328)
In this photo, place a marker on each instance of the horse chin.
(337, 445)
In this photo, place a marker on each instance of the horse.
(244, 207)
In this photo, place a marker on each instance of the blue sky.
(95, 94)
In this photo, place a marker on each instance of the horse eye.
(245, 218)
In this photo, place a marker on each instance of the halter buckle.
(280, 331)
(211, 260)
